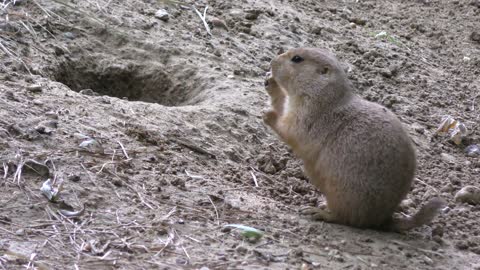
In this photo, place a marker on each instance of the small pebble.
(475, 36)
(162, 14)
(253, 14)
(51, 123)
(74, 178)
(237, 72)
(226, 229)
(447, 157)
(462, 245)
(358, 21)
(11, 96)
(473, 150)
(38, 102)
(427, 260)
(217, 23)
(181, 261)
(34, 88)
(468, 194)
(405, 204)
(69, 35)
(352, 25)
(42, 129)
(418, 128)
(438, 231)
(88, 92)
(58, 50)
(52, 115)
(242, 250)
(438, 239)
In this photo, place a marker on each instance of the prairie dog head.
(311, 73)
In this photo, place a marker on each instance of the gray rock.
(473, 150)
(447, 158)
(162, 14)
(34, 88)
(88, 92)
(69, 35)
(468, 194)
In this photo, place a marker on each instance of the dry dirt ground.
(155, 127)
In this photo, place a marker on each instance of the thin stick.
(186, 253)
(194, 176)
(417, 248)
(427, 185)
(5, 170)
(193, 239)
(473, 103)
(254, 178)
(193, 147)
(88, 174)
(5, 230)
(18, 174)
(140, 197)
(49, 12)
(214, 208)
(170, 238)
(203, 19)
(7, 51)
(30, 30)
(123, 149)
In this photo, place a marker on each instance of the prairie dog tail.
(424, 216)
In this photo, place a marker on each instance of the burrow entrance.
(145, 81)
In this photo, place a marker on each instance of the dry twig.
(203, 18)
(123, 150)
(215, 208)
(254, 178)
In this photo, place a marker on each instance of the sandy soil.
(155, 126)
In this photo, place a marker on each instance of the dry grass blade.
(5, 170)
(169, 240)
(427, 185)
(18, 173)
(84, 12)
(18, 59)
(29, 29)
(49, 12)
(203, 18)
(254, 178)
(123, 150)
(170, 213)
(7, 3)
(216, 211)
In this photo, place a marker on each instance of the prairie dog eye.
(297, 59)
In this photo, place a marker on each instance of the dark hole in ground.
(147, 81)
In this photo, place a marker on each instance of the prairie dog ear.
(323, 70)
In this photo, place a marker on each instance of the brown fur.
(356, 152)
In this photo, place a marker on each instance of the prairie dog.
(355, 151)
